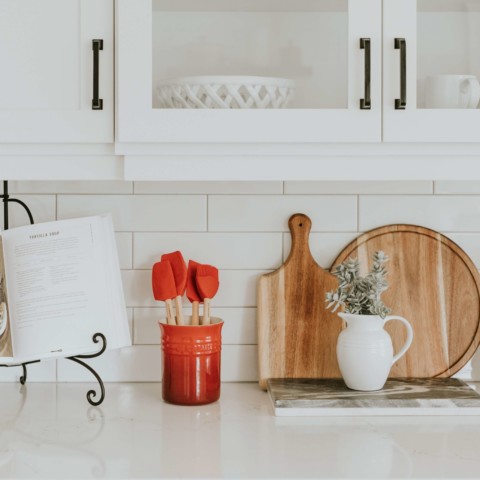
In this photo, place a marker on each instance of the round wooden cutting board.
(436, 287)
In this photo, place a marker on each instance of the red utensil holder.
(191, 362)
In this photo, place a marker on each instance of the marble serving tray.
(330, 397)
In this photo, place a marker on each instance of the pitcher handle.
(409, 340)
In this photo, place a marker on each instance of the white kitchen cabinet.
(331, 49)
(48, 81)
(439, 41)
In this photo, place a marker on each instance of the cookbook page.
(6, 350)
(57, 287)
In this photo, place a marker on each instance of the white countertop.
(50, 431)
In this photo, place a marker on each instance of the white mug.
(452, 91)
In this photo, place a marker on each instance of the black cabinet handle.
(97, 103)
(366, 102)
(401, 103)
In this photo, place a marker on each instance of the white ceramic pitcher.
(365, 350)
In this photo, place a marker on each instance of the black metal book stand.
(97, 337)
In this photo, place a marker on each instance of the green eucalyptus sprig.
(360, 295)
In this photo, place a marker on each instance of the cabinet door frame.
(138, 122)
(415, 124)
(82, 124)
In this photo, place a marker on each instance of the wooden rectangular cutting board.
(297, 336)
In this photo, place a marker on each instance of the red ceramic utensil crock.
(191, 357)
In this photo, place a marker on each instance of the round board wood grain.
(432, 283)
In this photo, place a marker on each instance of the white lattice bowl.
(225, 92)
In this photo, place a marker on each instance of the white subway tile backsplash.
(241, 227)
(444, 213)
(325, 247)
(237, 288)
(230, 188)
(44, 371)
(270, 213)
(143, 363)
(42, 208)
(145, 213)
(73, 187)
(124, 242)
(239, 327)
(370, 188)
(224, 250)
(140, 363)
(462, 188)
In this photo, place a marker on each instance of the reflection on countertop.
(49, 430)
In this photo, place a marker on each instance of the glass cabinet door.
(432, 70)
(249, 70)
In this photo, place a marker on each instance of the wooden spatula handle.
(170, 314)
(195, 311)
(178, 309)
(206, 311)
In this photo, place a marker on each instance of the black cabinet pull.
(366, 102)
(401, 103)
(97, 103)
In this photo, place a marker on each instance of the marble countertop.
(50, 431)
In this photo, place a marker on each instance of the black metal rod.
(366, 102)
(401, 103)
(97, 103)
(6, 200)
(91, 394)
(23, 204)
(5, 205)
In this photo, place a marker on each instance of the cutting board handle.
(300, 226)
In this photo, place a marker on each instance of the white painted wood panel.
(46, 86)
(71, 187)
(227, 188)
(358, 187)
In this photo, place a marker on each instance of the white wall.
(241, 228)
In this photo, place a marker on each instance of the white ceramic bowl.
(225, 92)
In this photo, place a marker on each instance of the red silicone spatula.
(163, 286)
(207, 285)
(192, 292)
(179, 268)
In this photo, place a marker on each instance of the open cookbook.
(59, 285)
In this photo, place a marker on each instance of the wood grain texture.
(436, 287)
(296, 335)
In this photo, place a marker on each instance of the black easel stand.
(91, 394)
